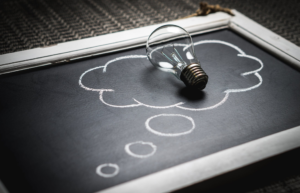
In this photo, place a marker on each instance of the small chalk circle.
(127, 149)
(105, 175)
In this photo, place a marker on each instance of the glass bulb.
(170, 48)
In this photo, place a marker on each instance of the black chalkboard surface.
(89, 125)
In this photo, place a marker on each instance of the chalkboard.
(89, 125)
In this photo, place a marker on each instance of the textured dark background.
(27, 24)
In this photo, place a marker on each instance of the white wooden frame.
(203, 168)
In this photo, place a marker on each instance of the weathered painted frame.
(203, 168)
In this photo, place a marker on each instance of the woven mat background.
(27, 24)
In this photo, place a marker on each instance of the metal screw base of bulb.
(194, 76)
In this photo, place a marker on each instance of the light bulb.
(170, 48)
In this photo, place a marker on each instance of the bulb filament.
(180, 64)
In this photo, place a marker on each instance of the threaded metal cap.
(194, 76)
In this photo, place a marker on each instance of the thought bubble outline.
(190, 130)
(241, 53)
(128, 150)
(105, 175)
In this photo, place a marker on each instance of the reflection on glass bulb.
(170, 48)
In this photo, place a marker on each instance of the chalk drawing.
(169, 134)
(137, 103)
(127, 149)
(100, 173)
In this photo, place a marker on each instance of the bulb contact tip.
(194, 76)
